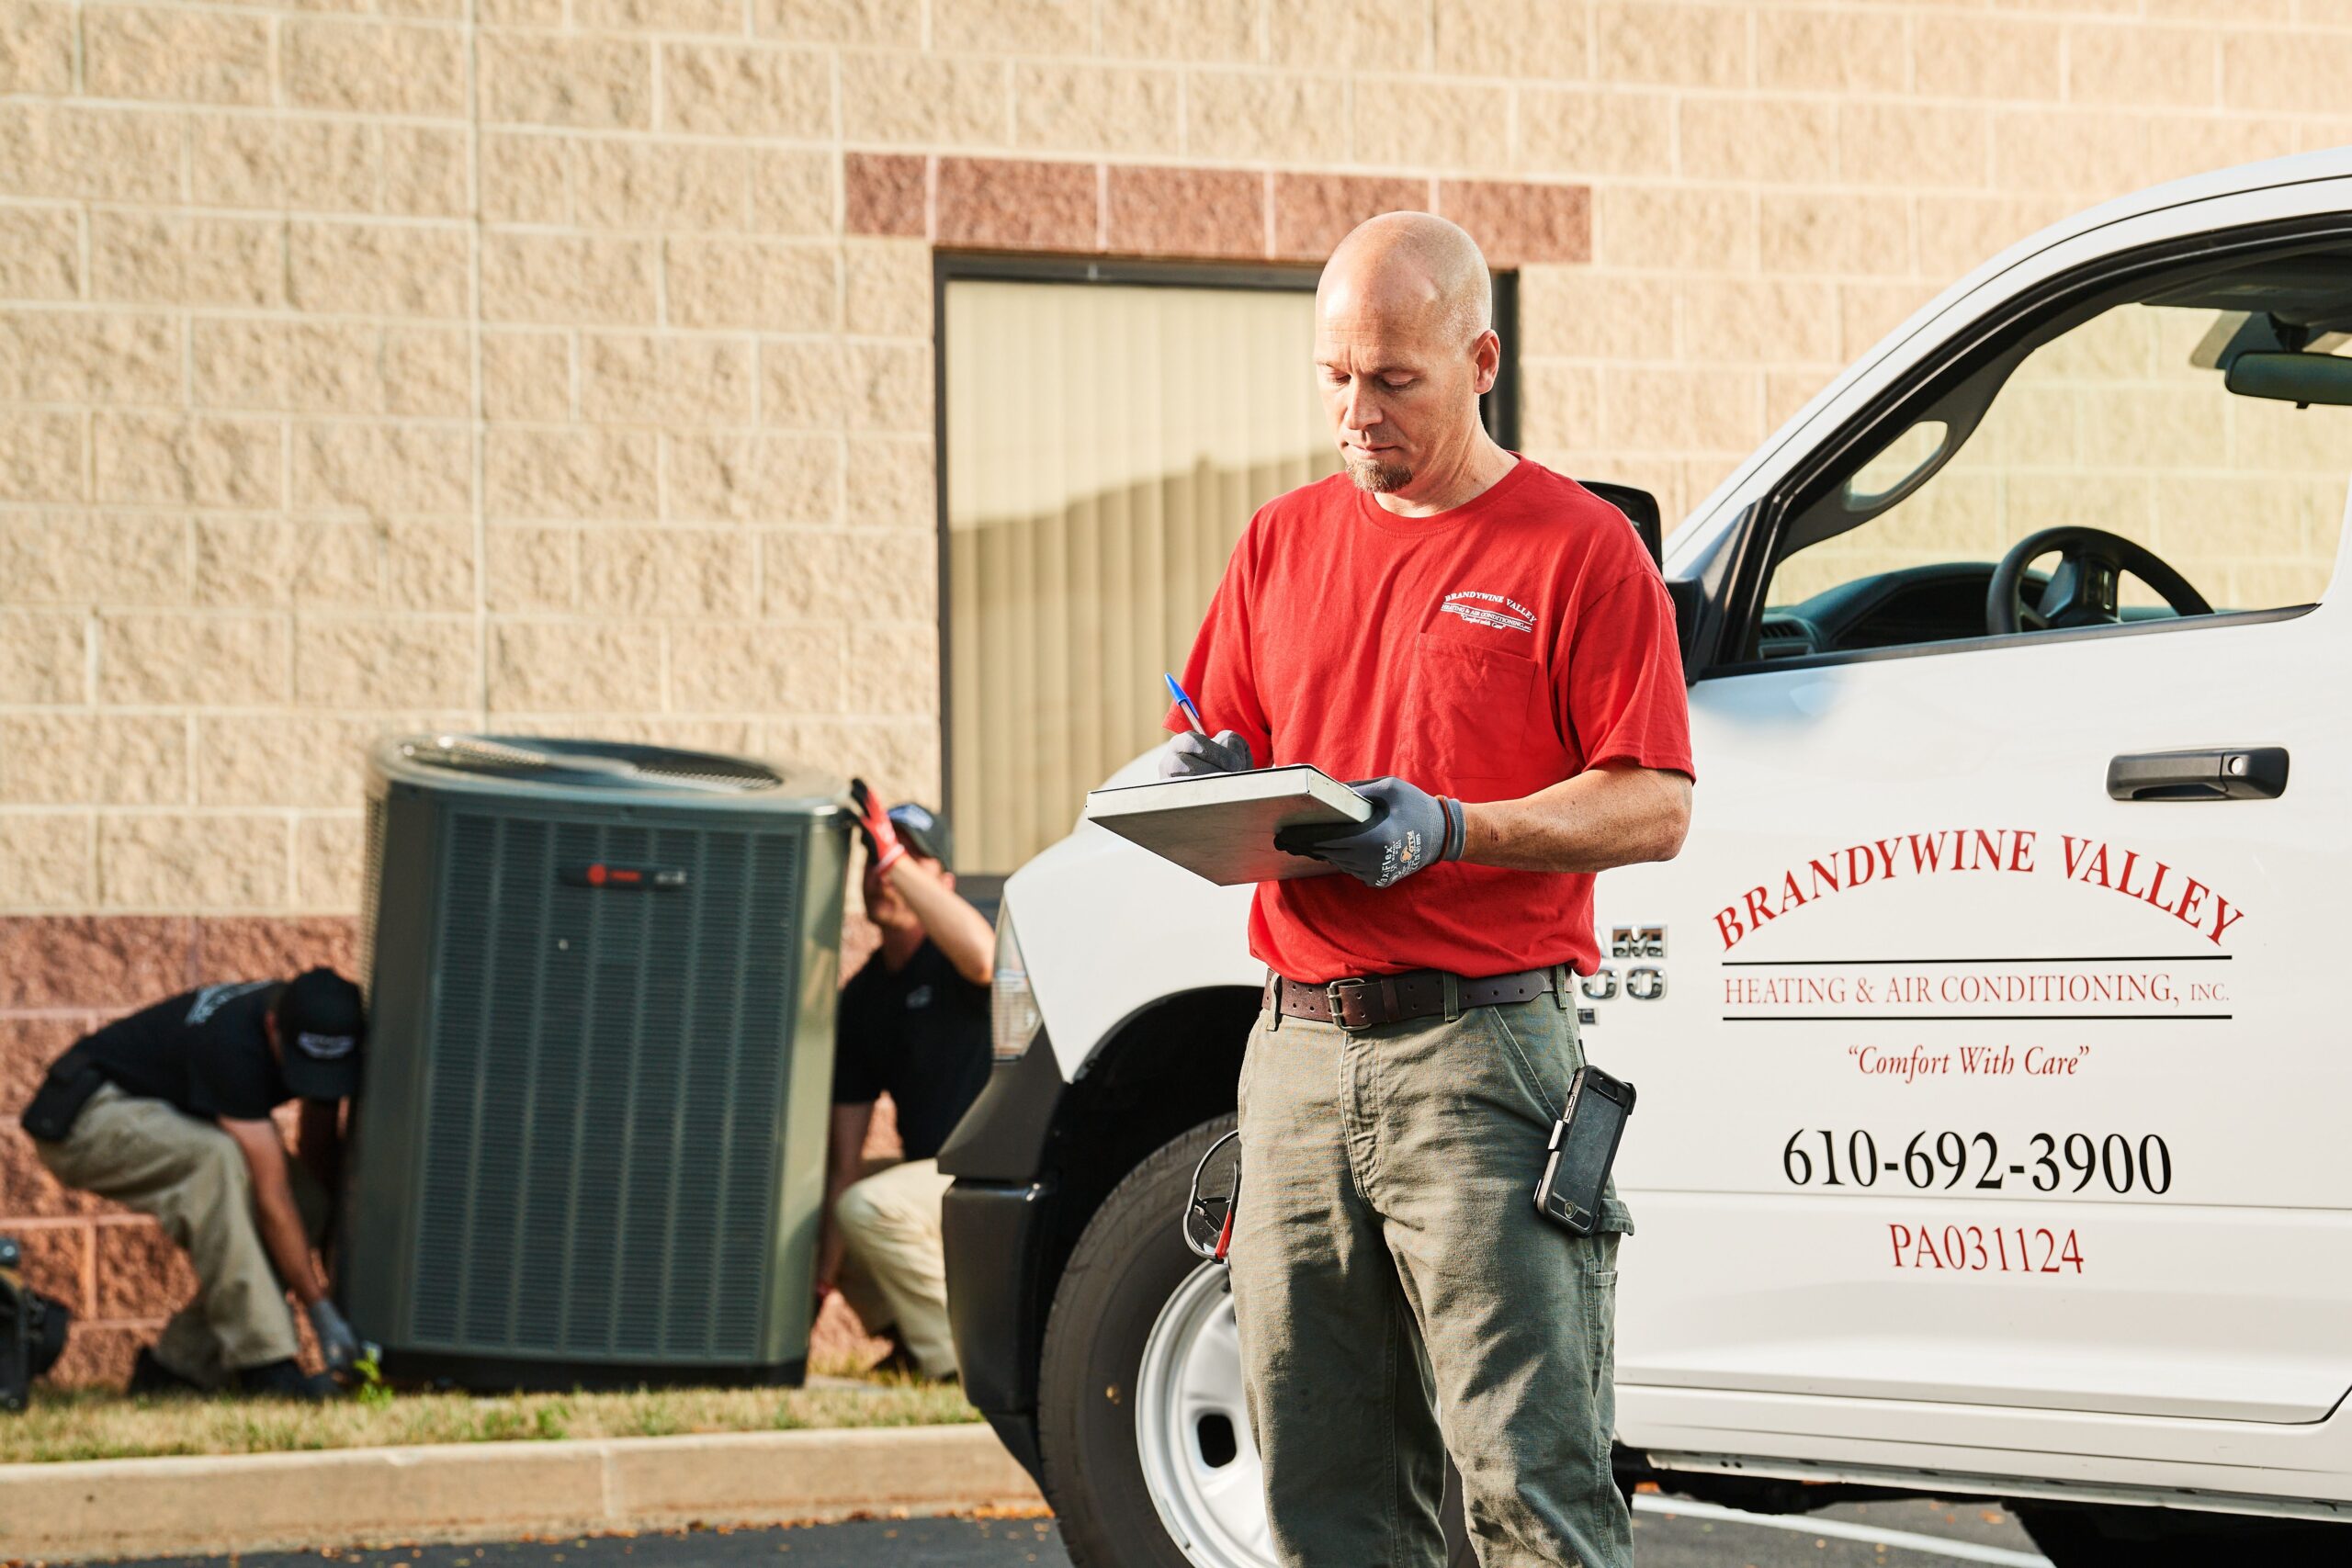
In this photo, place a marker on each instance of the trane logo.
(607, 873)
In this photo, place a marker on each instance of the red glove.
(881, 835)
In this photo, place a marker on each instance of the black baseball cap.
(322, 1026)
(923, 830)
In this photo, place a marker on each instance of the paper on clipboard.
(1221, 825)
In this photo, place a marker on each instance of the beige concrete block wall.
(506, 362)
(370, 365)
(566, 364)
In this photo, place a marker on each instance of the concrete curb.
(159, 1507)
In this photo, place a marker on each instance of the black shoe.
(150, 1376)
(286, 1380)
(900, 1362)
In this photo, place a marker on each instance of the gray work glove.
(336, 1342)
(1190, 756)
(1410, 829)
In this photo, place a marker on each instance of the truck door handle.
(2233, 772)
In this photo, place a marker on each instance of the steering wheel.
(2082, 591)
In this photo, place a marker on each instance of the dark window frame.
(1499, 407)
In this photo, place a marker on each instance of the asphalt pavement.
(1666, 1534)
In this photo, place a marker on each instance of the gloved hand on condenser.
(1410, 829)
(1190, 756)
(337, 1344)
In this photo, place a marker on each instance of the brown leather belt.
(1362, 1002)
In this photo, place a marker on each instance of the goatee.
(1378, 478)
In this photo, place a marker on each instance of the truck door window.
(2132, 423)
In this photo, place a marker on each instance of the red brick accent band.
(1184, 212)
(1312, 213)
(995, 204)
(1014, 204)
(888, 193)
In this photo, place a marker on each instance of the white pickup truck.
(1994, 1104)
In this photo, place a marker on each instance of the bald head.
(1404, 347)
(1412, 267)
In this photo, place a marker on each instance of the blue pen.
(1185, 703)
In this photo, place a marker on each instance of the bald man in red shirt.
(1491, 648)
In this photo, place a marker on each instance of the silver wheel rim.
(1189, 1412)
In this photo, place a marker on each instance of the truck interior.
(2179, 446)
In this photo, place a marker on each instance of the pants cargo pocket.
(1601, 1334)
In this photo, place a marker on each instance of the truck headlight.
(1013, 1019)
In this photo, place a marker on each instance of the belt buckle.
(1335, 998)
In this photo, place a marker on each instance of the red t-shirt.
(1487, 652)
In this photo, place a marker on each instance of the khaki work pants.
(1400, 1299)
(193, 1178)
(894, 1268)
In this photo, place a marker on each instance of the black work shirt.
(203, 1051)
(919, 1032)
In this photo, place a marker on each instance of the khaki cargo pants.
(1399, 1298)
(193, 1178)
(894, 1263)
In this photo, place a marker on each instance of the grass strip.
(83, 1424)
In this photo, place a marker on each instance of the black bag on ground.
(32, 1330)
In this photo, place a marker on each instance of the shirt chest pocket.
(1475, 724)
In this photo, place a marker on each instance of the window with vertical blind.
(1105, 444)
(1106, 432)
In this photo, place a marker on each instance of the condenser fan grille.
(723, 772)
(600, 1153)
(610, 765)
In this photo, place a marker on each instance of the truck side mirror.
(1640, 508)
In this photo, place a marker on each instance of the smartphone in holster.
(1583, 1146)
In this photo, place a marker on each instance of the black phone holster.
(50, 1113)
(1575, 1183)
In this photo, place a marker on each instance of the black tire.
(2088, 1536)
(1127, 1263)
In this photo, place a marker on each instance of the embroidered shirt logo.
(211, 1000)
(1489, 610)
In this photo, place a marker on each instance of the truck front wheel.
(1144, 1440)
(1129, 1266)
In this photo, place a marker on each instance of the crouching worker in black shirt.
(169, 1110)
(914, 1022)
